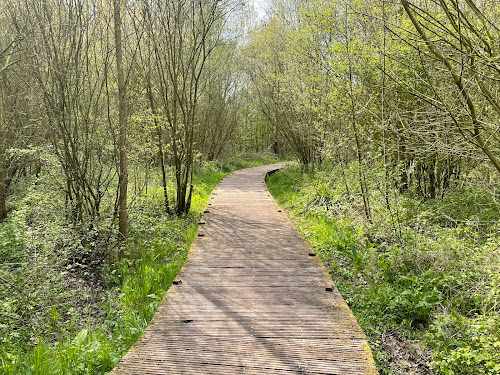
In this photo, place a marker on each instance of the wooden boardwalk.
(252, 298)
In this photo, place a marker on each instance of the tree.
(279, 87)
(183, 34)
(15, 125)
(69, 61)
(122, 123)
(462, 39)
(220, 105)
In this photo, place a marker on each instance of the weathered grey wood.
(251, 298)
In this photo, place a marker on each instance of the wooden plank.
(252, 298)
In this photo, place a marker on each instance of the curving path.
(251, 299)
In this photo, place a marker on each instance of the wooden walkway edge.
(251, 299)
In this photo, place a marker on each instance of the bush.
(466, 345)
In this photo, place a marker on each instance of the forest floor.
(423, 278)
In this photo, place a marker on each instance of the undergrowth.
(68, 306)
(422, 278)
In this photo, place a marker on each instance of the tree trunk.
(432, 184)
(122, 116)
(3, 195)
(160, 146)
(361, 175)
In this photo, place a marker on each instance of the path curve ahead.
(251, 299)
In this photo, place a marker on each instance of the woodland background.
(117, 118)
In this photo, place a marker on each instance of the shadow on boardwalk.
(251, 299)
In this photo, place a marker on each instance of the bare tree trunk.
(122, 116)
(3, 194)
(160, 145)
(384, 127)
(362, 179)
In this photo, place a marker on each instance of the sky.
(261, 7)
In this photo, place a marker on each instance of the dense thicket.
(74, 72)
(409, 85)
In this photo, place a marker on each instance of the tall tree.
(68, 67)
(183, 34)
(122, 123)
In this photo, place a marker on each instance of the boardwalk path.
(251, 299)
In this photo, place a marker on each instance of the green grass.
(421, 279)
(69, 318)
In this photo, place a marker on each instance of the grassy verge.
(61, 314)
(422, 278)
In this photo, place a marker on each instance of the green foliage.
(466, 345)
(432, 268)
(85, 353)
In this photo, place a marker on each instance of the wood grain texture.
(251, 299)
